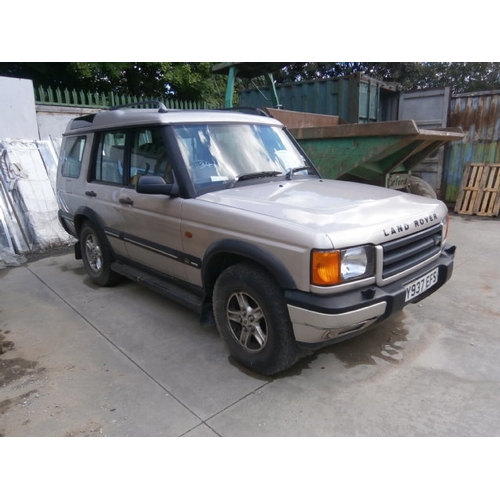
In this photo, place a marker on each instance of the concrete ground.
(77, 360)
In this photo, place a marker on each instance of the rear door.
(106, 180)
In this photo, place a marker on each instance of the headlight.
(333, 267)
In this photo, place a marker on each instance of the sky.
(256, 31)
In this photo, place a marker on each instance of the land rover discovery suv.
(223, 212)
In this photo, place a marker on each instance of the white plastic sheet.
(27, 197)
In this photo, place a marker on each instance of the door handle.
(90, 193)
(126, 201)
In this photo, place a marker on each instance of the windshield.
(223, 154)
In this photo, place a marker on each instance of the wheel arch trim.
(245, 250)
(87, 213)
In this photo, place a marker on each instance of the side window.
(110, 156)
(71, 165)
(148, 155)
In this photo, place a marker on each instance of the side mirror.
(155, 184)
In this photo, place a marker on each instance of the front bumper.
(319, 320)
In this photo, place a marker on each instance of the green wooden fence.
(58, 97)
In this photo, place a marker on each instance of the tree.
(460, 76)
(194, 81)
(185, 81)
(45, 74)
(179, 80)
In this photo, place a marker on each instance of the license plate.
(415, 288)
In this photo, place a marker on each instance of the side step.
(177, 293)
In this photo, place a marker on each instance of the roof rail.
(160, 106)
(249, 110)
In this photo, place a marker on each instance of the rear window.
(71, 165)
(110, 157)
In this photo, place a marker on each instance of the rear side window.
(72, 157)
(110, 157)
(123, 156)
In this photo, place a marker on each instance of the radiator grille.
(408, 252)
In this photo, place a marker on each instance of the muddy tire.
(96, 256)
(421, 187)
(252, 318)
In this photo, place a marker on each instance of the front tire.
(96, 256)
(251, 316)
(421, 187)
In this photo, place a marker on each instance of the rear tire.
(251, 316)
(96, 256)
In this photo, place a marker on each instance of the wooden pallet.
(480, 190)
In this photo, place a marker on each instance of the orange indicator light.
(325, 268)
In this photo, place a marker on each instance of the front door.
(151, 224)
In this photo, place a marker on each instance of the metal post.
(231, 77)
(272, 90)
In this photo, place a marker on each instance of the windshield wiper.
(255, 175)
